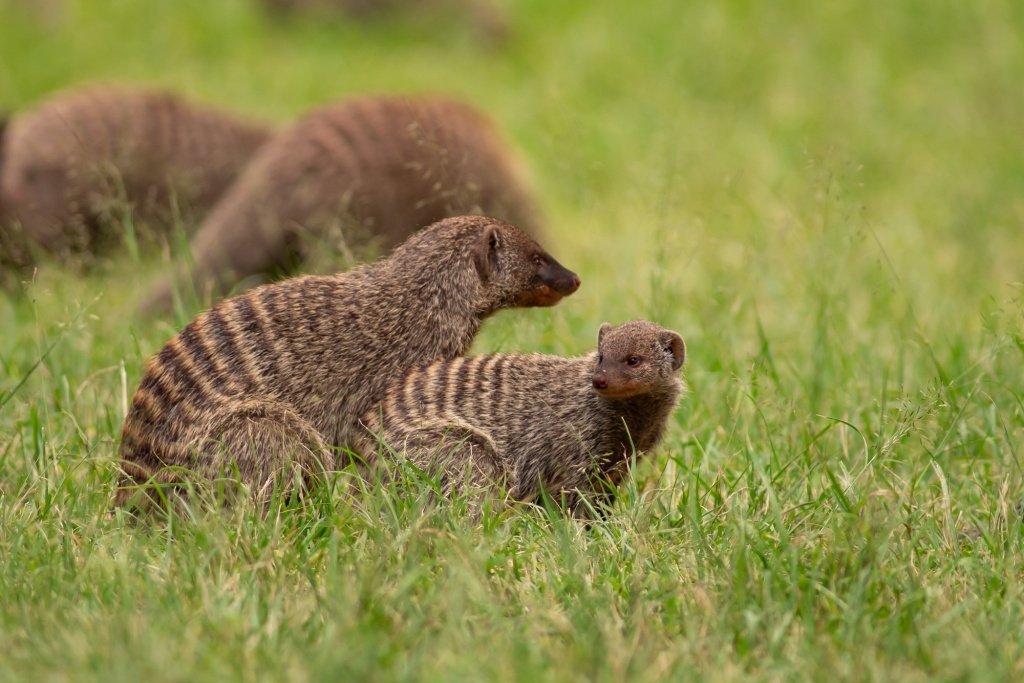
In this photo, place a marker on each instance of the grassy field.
(825, 199)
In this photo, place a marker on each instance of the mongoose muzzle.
(554, 282)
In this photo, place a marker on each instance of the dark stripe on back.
(401, 405)
(228, 351)
(331, 136)
(162, 394)
(175, 371)
(280, 320)
(439, 388)
(462, 385)
(192, 344)
(377, 137)
(497, 380)
(419, 392)
(256, 337)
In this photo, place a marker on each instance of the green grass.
(825, 199)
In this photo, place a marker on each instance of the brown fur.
(371, 167)
(532, 423)
(274, 381)
(75, 163)
(14, 249)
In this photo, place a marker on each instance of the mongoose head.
(512, 270)
(517, 272)
(637, 358)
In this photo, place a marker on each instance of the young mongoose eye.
(633, 360)
(538, 260)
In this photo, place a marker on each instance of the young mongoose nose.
(600, 383)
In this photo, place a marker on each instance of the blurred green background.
(825, 199)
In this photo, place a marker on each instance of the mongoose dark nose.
(559, 278)
(567, 283)
(600, 383)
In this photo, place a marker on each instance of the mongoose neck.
(645, 415)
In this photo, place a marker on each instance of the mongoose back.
(373, 168)
(73, 163)
(567, 426)
(278, 377)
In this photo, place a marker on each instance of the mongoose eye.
(538, 260)
(633, 360)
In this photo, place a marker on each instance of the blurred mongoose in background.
(268, 385)
(533, 423)
(370, 169)
(72, 167)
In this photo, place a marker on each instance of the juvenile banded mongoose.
(274, 381)
(373, 168)
(73, 165)
(533, 423)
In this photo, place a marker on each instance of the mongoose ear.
(674, 344)
(486, 253)
(604, 329)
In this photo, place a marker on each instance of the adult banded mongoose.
(273, 382)
(533, 423)
(369, 169)
(74, 164)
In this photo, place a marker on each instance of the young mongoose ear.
(486, 254)
(605, 328)
(674, 344)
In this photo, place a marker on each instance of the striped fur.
(75, 162)
(530, 422)
(271, 383)
(365, 170)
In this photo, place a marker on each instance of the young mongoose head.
(514, 271)
(637, 358)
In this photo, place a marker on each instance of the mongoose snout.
(553, 282)
(513, 257)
